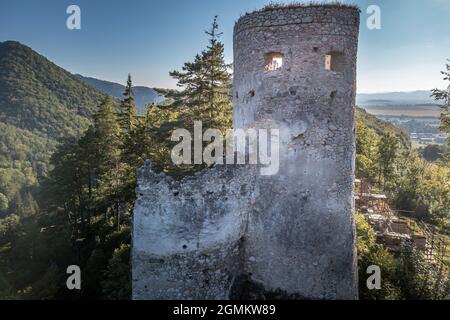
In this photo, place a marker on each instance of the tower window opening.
(334, 61)
(274, 61)
(328, 62)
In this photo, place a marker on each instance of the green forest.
(69, 156)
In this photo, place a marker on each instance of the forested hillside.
(380, 127)
(41, 97)
(86, 149)
(39, 104)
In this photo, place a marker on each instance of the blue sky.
(149, 38)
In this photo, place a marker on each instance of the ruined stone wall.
(188, 235)
(293, 231)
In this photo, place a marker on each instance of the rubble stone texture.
(292, 232)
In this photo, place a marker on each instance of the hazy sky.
(148, 38)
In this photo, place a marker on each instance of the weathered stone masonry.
(293, 231)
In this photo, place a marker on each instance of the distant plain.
(420, 110)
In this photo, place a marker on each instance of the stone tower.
(293, 232)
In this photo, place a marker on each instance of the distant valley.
(397, 104)
(416, 112)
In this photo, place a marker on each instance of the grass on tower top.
(298, 4)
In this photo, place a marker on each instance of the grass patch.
(298, 4)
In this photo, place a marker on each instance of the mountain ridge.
(395, 98)
(39, 96)
(142, 94)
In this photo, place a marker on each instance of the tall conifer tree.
(111, 169)
(128, 115)
(206, 84)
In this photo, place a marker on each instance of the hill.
(142, 95)
(39, 104)
(380, 126)
(39, 96)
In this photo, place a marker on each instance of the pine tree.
(88, 160)
(67, 184)
(128, 115)
(150, 139)
(206, 84)
(108, 132)
(112, 172)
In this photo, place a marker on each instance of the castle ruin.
(293, 232)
